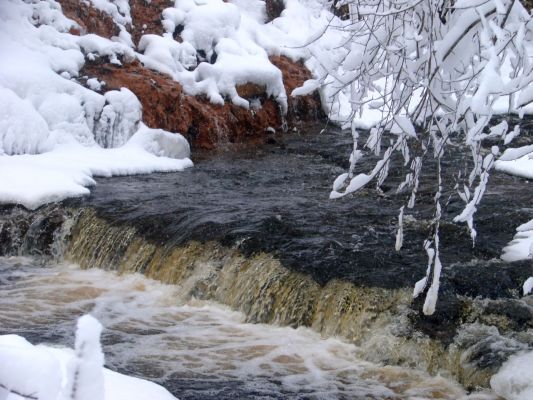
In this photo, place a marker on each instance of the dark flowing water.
(275, 199)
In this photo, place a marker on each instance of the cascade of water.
(378, 320)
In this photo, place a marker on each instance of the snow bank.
(49, 373)
(55, 134)
(514, 380)
(67, 170)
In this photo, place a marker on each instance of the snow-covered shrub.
(434, 72)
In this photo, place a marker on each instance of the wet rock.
(507, 315)
(146, 17)
(274, 8)
(89, 19)
(482, 351)
(442, 325)
(341, 11)
(30, 233)
(206, 125)
(294, 75)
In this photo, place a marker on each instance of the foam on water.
(197, 349)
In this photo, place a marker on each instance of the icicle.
(399, 234)
(417, 167)
(421, 284)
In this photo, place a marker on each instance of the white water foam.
(197, 349)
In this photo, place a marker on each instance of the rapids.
(198, 349)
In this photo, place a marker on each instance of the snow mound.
(49, 373)
(514, 380)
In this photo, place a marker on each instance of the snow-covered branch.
(435, 72)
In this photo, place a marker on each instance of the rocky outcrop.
(146, 17)
(294, 75)
(207, 125)
(167, 106)
(274, 8)
(90, 19)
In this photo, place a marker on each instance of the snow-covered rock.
(50, 373)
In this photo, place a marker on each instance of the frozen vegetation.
(434, 73)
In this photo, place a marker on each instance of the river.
(258, 272)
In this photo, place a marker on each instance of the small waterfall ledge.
(383, 323)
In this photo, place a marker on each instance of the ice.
(119, 119)
(22, 129)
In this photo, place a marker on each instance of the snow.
(85, 375)
(230, 40)
(55, 134)
(75, 133)
(522, 166)
(67, 170)
(514, 379)
(50, 373)
(527, 288)
(521, 247)
(44, 109)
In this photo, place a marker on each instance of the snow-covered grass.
(48, 373)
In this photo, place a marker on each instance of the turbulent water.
(197, 350)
